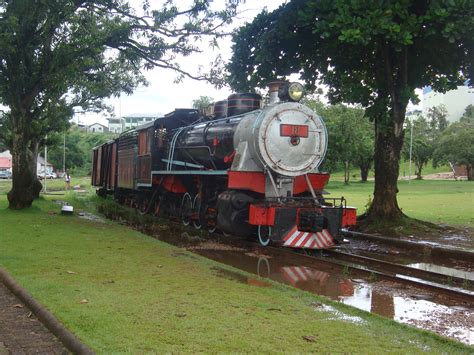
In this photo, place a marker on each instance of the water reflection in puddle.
(444, 270)
(424, 311)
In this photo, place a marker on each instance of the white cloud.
(163, 95)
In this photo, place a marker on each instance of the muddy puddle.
(402, 303)
(415, 259)
(463, 274)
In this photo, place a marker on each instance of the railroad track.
(426, 249)
(451, 286)
(440, 283)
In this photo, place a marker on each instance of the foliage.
(456, 146)
(370, 53)
(350, 138)
(468, 115)
(364, 147)
(79, 144)
(202, 102)
(426, 133)
(422, 145)
(438, 118)
(59, 55)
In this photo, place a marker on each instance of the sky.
(163, 95)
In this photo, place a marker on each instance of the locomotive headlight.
(295, 91)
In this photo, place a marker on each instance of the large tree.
(60, 54)
(368, 52)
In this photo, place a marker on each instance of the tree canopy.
(350, 138)
(78, 147)
(57, 55)
(420, 138)
(468, 115)
(456, 146)
(367, 52)
(202, 102)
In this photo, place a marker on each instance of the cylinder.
(238, 104)
(220, 109)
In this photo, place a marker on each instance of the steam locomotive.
(241, 167)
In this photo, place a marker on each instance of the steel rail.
(401, 269)
(425, 248)
(390, 275)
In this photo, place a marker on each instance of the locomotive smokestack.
(273, 88)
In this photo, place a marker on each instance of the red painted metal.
(261, 215)
(246, 180)
(293, 130)
(171, 183)
(113, 162)
(317, 180)
(349, 217)
(229, 158)
(126, 168)
(98, 171)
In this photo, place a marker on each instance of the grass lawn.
(437, 201)
(121, 291)
(404, 171)
(53, 184)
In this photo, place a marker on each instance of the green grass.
(404, 171)
(53, 185)
(143, 295)
(437, 201)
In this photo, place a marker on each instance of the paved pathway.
(21, 332)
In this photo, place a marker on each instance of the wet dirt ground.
(413, 258)
(405, 304)
(21, 332)
(444, 236)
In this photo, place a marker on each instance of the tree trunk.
(419, 168)
(470, 172)
(346, 172)
(364, 172)
(388, 145)
(25, 184)
(34, 149)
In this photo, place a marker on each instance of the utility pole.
(45, 164)
(64, 153)
(411, 146)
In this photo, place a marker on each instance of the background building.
(40, 166)
(139, 119)
(6, 161)
(116, 125)
(455, 101)
(97, 128)
(5, 164)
